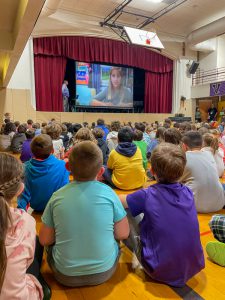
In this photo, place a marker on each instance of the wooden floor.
(129, 284)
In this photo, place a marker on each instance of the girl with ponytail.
(17, 237)
(211, 144)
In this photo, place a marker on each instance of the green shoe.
(216, 252)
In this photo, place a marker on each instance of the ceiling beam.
(27, 15)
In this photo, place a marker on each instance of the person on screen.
(115, 94)
(65, 94)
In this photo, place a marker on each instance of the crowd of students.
(83, 221)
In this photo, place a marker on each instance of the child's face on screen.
(116, 79)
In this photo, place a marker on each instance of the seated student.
(44, 174)
(18, 236)
(54, 130)
(7, 136)
(146, 137)
(83, 134)
(101, 124)
(138, 141)
(18, 139)
(82, 222)
(170, 219)
(29, 123)
(159, 137)
(37, 128)
(172, 136)
(64, 137)
(201, 175)
(26, 153)
(125, 166)
(112, 137)
(216, 249)
(98, 134)
(211, 144)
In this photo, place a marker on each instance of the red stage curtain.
(49, 75)
(158, 92)
(89, 49)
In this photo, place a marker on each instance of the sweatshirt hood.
(126, 149)
(39, 167)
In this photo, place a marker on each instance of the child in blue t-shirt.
(82, 222)
(44, 174)
(168, 245)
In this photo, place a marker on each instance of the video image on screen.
(103, 85)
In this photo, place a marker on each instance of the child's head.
(160, 133)
(17, 123)
(11, 174)
(98, 133)
(203, 130)
(100, 122)
(84, 134)
(41, 146)
(43, 124)
(9, 127)
(115, 126)
(173, 136)
(30, 134)
(140, 126)
(30, 122)
(22, 129)
(209, 140)
(192, 140)
(85, 161)
(168, 162)
(36, 126)
(54, 131)
(138, 135)
(64, 128)
(125, 135)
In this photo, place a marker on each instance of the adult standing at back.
(101, 124)
(65, 94)
(212, 113)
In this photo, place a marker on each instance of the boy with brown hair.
(44, 174)
(167, 240)
(99, 134)
(83, 220)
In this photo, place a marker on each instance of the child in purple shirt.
(26, 153)
(168, 245)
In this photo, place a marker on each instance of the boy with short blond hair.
(83, 220)
(168, 245)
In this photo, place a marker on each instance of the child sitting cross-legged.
(167, 240)
(44, 174)
(125, 164)
(82, 222)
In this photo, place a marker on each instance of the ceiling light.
(155, 1)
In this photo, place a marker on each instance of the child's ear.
(67, 166)
(20, 189)
(184, 147)
(101, 171)
(152, 171)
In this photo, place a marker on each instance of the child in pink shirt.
(18, 236)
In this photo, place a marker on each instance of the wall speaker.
(193, 67)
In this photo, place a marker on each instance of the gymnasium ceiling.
(82, 17)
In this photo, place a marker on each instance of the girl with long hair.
(115, 94)
(17, 237)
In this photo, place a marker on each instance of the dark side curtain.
(51, 52)
(158, 92)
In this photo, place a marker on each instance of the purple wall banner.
(217, 89)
